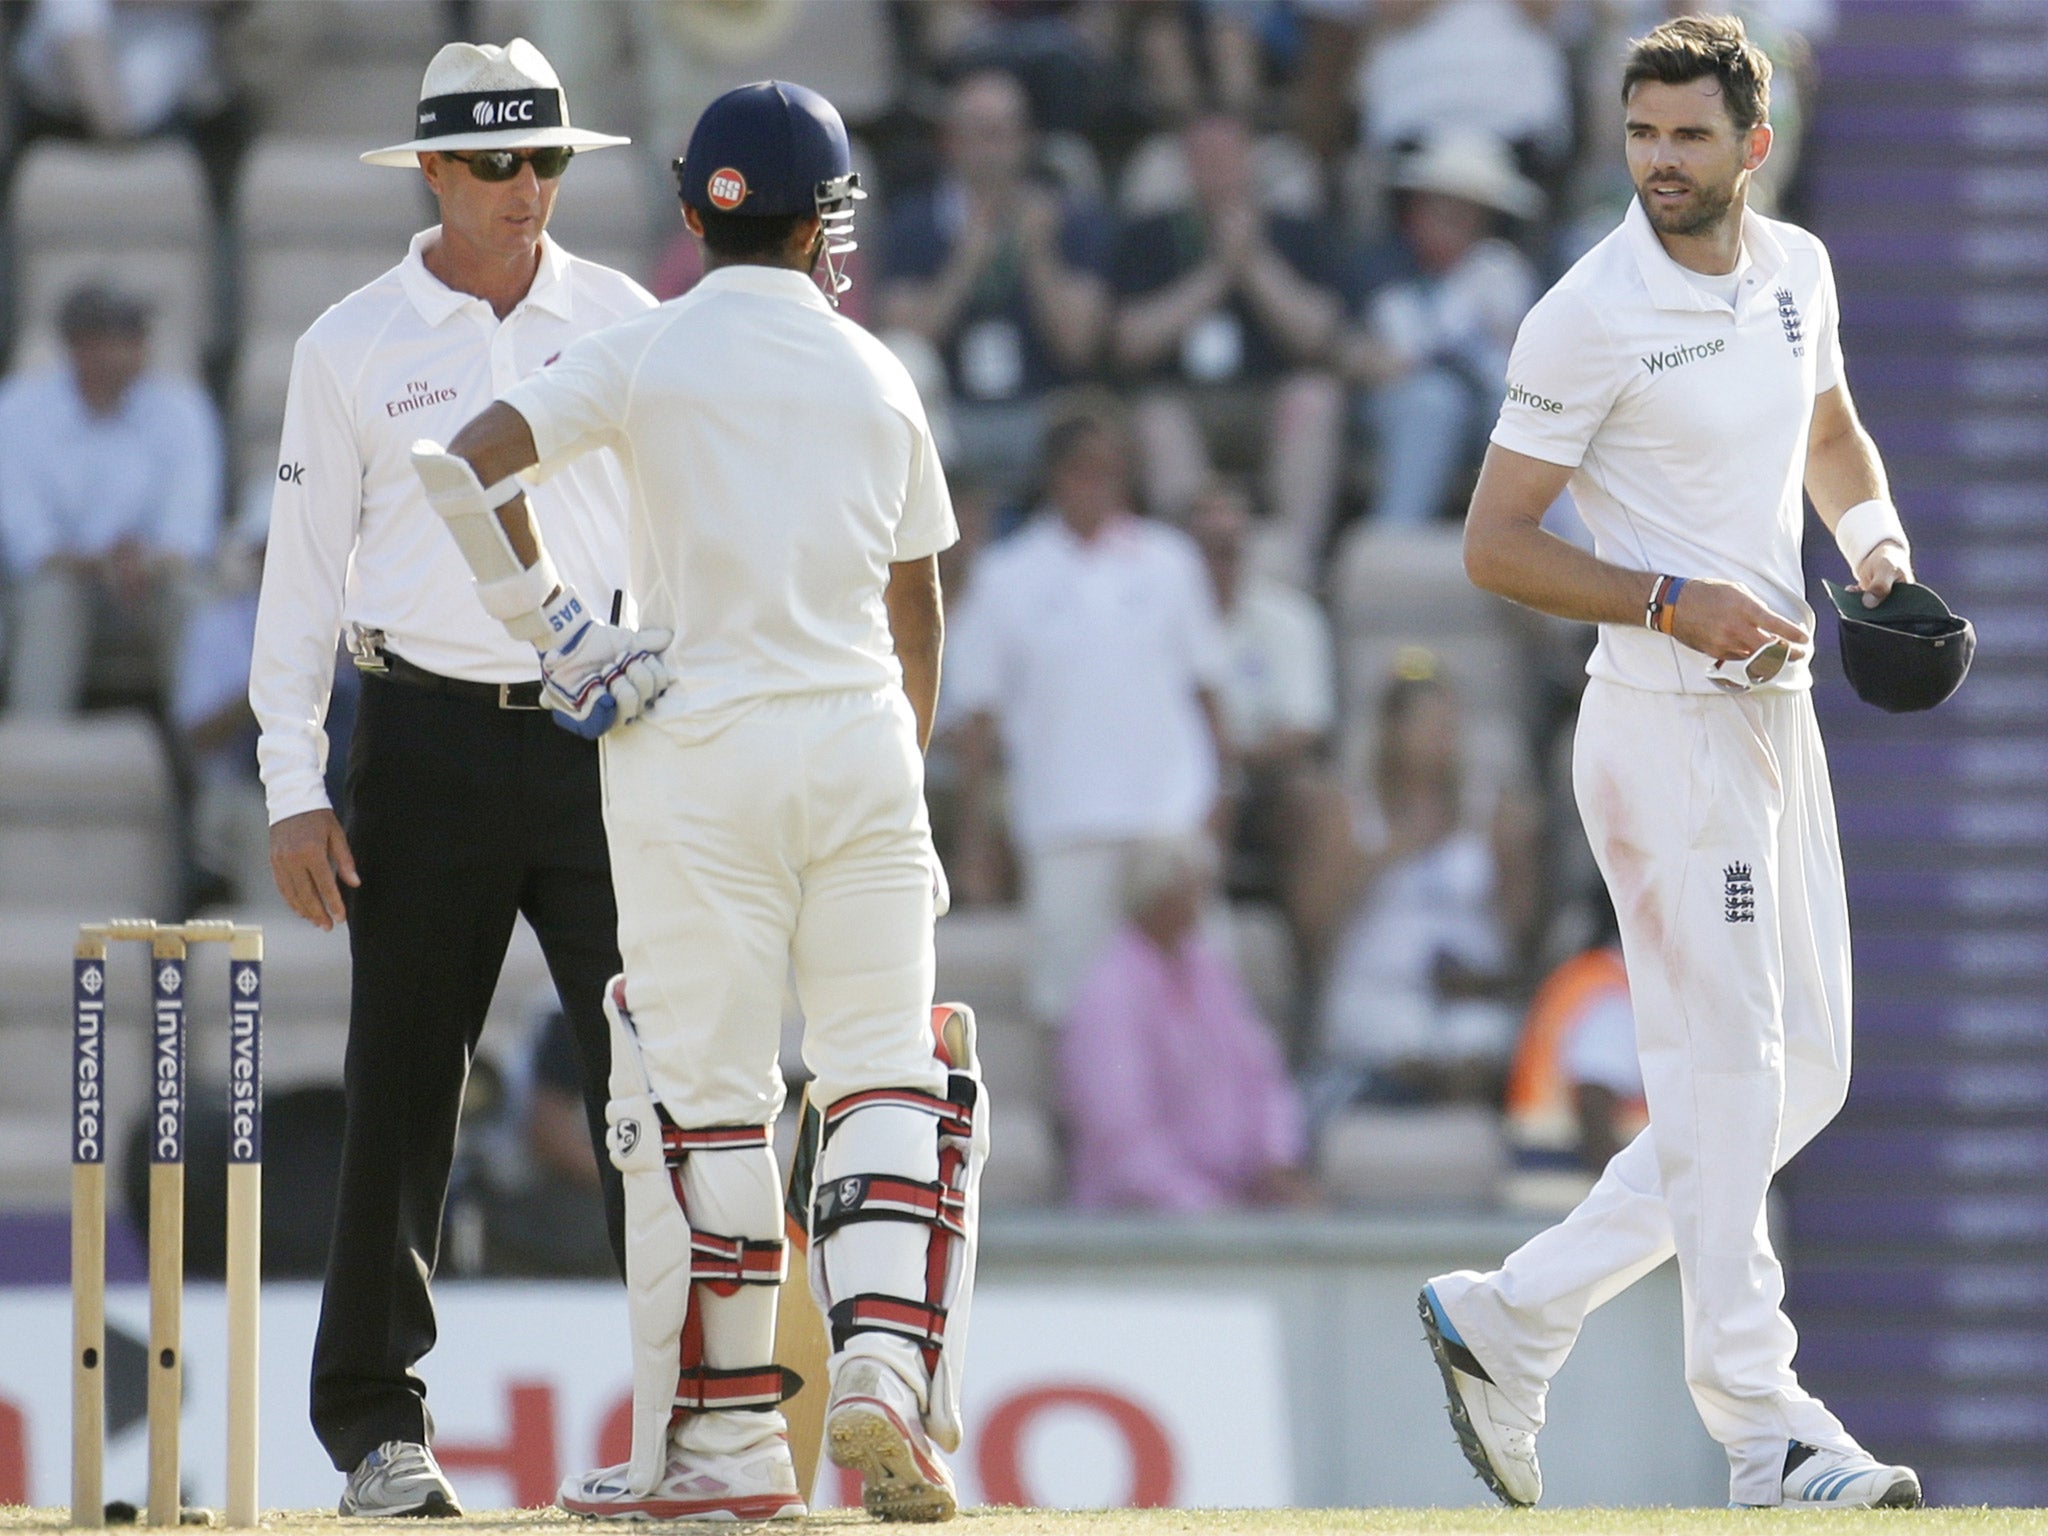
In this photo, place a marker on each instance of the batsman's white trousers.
(792, 838)
(1714, 826)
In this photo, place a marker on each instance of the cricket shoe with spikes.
(755, 1484)
(873, 1427)
(1499, 1441)
(1818, 1479)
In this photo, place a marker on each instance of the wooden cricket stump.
(169, 943)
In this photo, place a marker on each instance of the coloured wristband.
(1662, 608)
(1866, 525)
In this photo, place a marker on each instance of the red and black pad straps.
(872, 1312)
(724, 1264)
(955, 1115)
(940, 1205)
(701, 1389)
(885, 1197)
(720, 1262)
(730, 1261)
(677, 1143)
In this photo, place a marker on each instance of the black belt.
(497, 695)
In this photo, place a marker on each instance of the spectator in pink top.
(1175, 1094)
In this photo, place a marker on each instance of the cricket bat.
(800, 1343)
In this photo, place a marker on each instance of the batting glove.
(603, 675)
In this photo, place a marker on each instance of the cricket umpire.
(767, 819)
(1685, 379)
(468, 805)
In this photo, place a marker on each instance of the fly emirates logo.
(1678, 357)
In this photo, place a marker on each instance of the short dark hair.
(1075, 417)
(1689, 48)
(98, 308)
(742, 236)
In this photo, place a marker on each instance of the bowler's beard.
(1709, 207)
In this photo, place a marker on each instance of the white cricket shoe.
(1499, 1441)
(399, 1479)
(755, 1484)
(873, 1427)
(1818, 1479)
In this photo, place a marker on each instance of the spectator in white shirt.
(1090, 644)
(110, 487)
(1279, 701)
(1432, 351)
(1425, 66)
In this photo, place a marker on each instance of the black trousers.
(462, 816)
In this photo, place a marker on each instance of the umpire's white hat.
(481, 96)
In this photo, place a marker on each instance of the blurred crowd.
(1210, 301)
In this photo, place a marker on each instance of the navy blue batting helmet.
(772, 149)
(763, 149)
(1909, 652)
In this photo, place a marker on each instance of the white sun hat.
(1474, 165)
(481, 96)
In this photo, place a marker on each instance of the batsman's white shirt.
(1685, 418)
(352, 538)
(778, 462)
(767, 816)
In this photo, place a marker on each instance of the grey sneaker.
(399, 1478)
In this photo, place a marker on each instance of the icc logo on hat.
(727, 189)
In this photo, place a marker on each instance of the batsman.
(766, 815)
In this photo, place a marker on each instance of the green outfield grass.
(1251, 1522)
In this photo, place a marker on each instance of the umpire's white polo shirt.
(1685, 418)
(777, 461)
(352, 538)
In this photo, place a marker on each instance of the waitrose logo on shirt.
(1520, 396)
(1678, 357)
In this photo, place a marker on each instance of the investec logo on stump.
(88, 1038)
(245, 1064)
(1520, 396)
(167, 1124)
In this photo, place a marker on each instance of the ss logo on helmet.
(727, 189)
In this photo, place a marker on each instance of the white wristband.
(1865, 526)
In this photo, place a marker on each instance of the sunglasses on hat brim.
(503, 164)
